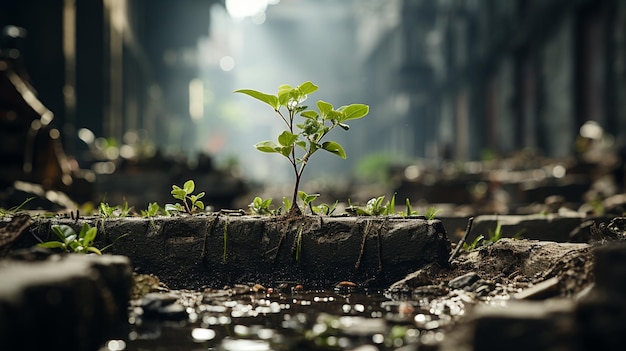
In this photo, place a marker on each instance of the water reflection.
(295, 320)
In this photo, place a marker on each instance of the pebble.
(464, 280)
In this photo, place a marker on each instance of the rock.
(517, 326)
(215, 250)
(464, 280)
(163, 307)
(549, 227)
(258, 288)
(610, 268)
(73, 302)
(525, 257)
(542, 290)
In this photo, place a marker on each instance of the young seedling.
(374, 207)
(325, 209)
(261, 207)
(152, 210)
(301, 140)
(431, 213)
(69, 241)
(307, 200)
(191, 203)
(108, 211)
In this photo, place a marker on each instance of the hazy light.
(127, 151)
(86, 135)
(196, 99)
(227, 63)
(558, 171)
(239, 9)
(116, 345)
(54, 133)
(591, 130)
(202, 334)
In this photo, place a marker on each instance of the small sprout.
(107, 211)
(152, 211)
(431, 213)
(409, 209)
(261, 207)
(69, 241)
(190, 203)
(374, 207)
(325, 209)
(475, 243)
(307, 199)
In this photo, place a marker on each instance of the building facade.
(460, 79)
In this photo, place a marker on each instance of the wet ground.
(287, 317)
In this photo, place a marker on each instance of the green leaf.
(90, 236)
(309, 114)
(285, 150)
(178, 193)
(271, 100)
(284, 94)
(354, 111)
(324, 107)
(70, 239)
(266, 146)
(94, 250)
(199, 204)
(174, 207)
(335, 115)
(189, 186)
(62, 231)
(302, 144)
(335, 148)
(52, 245)
(286, 138)
(307, 88)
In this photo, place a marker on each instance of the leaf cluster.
(261, 207)
(316, 125)
(152, 210)
(108, 211)
(491, 237)
(299, 141)
(70, 241)
(190, 203)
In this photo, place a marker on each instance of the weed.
(190, 203)
(475, 243)
(300, 141)
(492, 237)
(431, 213)
(15, 209)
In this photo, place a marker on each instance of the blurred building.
(113, 66)
(457, 78)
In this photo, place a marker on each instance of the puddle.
(293, 320)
